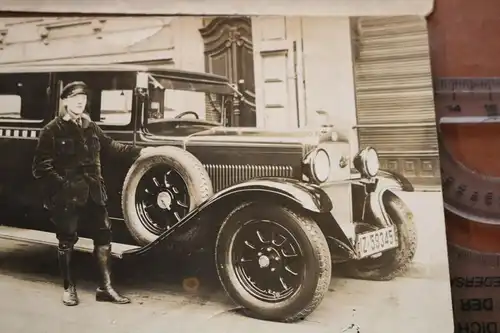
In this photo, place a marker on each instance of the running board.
(49, 238)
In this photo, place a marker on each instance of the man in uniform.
(67, 159)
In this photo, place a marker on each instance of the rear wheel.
(273, 261)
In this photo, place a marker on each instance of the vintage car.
(276, 208)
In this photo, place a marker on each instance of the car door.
(25, 107)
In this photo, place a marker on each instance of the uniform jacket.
(68, 160)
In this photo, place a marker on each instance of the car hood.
(252, 134)
(255, 135)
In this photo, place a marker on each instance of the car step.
(48, 238)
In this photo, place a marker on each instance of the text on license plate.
(372, 242)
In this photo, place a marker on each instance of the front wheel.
(393, 262)
(273, 262)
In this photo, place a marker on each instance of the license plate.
(370, 243)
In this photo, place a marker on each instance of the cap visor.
(75, 92)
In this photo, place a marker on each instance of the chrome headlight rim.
(313, 166)
(362, 160)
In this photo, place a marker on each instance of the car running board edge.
(49, 238)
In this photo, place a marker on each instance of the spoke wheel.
(268, 260)
(160, 189)
(273, 261)
(161, 198)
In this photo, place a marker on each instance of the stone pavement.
(418, 302)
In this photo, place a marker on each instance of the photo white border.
(225, 7)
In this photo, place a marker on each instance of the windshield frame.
(208, 84)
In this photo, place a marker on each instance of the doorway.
(229, 52)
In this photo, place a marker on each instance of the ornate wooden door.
(229, 52)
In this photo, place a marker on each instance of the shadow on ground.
(154, 275)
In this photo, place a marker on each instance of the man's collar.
(85, 119)
(66, 117)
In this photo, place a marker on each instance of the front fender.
(310, 197)
(377, 206)
(288, 191)
(393, 180)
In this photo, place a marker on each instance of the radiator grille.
(223, 176)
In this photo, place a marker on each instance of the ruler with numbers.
(468, 102)
(468, 111)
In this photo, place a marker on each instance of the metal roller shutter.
(394, 95)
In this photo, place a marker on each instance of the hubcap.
(264, 261)
(162, 199)
(268, 260)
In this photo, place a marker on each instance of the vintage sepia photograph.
(220, 173)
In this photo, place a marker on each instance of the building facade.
(394, 95)
(369, 75)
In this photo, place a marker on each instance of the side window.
(109, 95)
(116, 107)
(10, 106)
(24, 97)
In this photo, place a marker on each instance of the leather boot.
(106, 292)
(70, 297)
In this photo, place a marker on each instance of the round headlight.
(320, 165)
(367, 162)
(372, 163)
